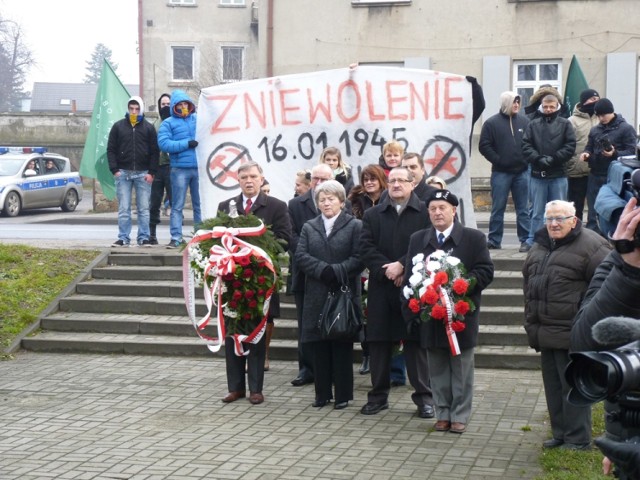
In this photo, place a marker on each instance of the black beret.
(444, 195)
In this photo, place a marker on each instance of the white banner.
(284, 123)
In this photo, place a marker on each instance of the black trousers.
(305, 357)
(254, 363)
(161, 184)
(333, 364)
(577, 193)
(417, 371)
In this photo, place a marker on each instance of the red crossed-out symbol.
(223, 163)
(446, 158)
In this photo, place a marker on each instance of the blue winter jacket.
(176, 131)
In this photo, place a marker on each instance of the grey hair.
(248, 165)
(331, 187)
(568, 207)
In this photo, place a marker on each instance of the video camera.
(604, 144)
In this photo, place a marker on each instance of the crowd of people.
(344, 232)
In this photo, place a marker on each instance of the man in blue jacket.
(177, 137)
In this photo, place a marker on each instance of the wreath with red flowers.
(439, 289)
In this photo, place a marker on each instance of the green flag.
(109, 107)
(576, 83)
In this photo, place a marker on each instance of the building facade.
(506, 44)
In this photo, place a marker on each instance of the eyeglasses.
(558, 220)
(398, 180)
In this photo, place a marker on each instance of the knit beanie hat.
(604, 106)
(587, 94)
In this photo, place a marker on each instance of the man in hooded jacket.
(132, 152)
(501, 144)
(162, 180)
(177, 137)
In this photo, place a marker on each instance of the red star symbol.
(442, 161)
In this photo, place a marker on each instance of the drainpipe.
(140, 51)
(270, 6)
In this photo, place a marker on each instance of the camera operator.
(614, 291)
(613, 137)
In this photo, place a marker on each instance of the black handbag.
(341, 316)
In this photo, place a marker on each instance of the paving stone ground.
(81, 416)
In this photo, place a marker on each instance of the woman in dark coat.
(327, 245)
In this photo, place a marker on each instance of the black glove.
(545, 162)
(193, 143)
(625, 456)
(328, 276)
(414, 326)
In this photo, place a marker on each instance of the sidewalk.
(132, 417)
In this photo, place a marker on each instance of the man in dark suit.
(386, 229)
(272, 212)
(301, 209)
(451, 376)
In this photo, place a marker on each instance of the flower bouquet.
(234, 259)
(438, 290)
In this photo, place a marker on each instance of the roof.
(59, 97)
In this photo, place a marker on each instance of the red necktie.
(247, 208)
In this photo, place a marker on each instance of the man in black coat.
(386, 229)
(451, 376)
(272, 212)
(302, 209)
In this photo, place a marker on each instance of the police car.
(32, 178)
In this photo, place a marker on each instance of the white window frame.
(182, 2)
(535, 84)
(368, 3)
(193, 63)
(242, 66)
(233, 3)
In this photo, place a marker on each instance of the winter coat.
(470, 246)
(556, 277)
(501, 141)
(551, 137)
(621, 135)
(133, 147)
(582, 124)
(385, 239)
(315, 252)
(176, 131)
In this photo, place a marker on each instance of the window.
(232, 2)
(370, 3)
(530, 76)
(182, 2)
(182, 63)
(232, 64)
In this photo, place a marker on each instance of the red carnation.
(458, 326)
(253, 304)
(246, 316)
(414, 305)
(461, 307)
(261, 280)
(244, 261)
(249, 294)
(248, 273)
(440, 279)
(460, 286)
(237, 295)
(261, 292)
(236, 284)
(228, 277)
(439, 312)
(430, 297)
(233, 304)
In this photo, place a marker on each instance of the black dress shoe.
(426, 411)
(370, 408)
(299, 381)
(364, 368)
(341, 405)
(319, 403)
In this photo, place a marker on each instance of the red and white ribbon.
(222, 261)
(451, 335)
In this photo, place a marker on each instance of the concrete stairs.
(133, 303)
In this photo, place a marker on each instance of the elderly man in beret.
(451, 375)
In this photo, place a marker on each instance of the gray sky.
(62, 36)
